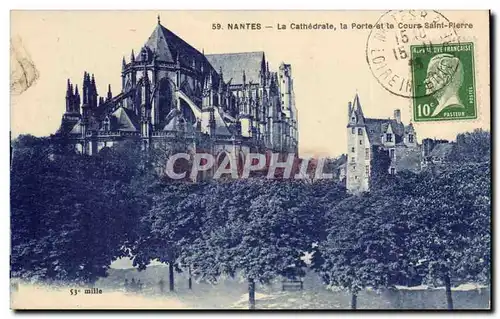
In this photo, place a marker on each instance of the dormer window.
(388, 137)
(410, 138)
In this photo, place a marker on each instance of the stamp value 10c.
(443, 82)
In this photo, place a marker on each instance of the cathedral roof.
(124, 119)
(233, 65)
(168, 46)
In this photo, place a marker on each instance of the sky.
(328, 67)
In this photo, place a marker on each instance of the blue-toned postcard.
(242, 160)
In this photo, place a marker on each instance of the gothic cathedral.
(170, 89)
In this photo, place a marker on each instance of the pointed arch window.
(360, 131)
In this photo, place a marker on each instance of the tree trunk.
(251, 294)
(171, 276)
(354, 301)
(447, 283)
(190, 281)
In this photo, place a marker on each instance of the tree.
(365, 245)
(70, 216)
(253, 228)
(472, 146)
(170, 226)
(451, 224)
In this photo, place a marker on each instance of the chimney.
(397, 115)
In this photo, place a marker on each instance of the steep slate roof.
(167, 45)
(376, 127)
(356, 105)
(233, 64)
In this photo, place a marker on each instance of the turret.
(77, 100)
(69, 97)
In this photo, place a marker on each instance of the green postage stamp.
(443, 82)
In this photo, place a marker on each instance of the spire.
(159, 22)
(69, 97)
(109, 92)
(77, 98)
(244, 77)
(356, 106)
(123, 63)
(85, 89)
(132, 56)
(68, 89)
(220, 73)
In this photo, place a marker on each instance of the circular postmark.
(389, 45)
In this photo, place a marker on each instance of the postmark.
(444, 85)
(388, 46)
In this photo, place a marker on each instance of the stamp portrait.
(443, 82)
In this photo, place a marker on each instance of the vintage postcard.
(250, 160)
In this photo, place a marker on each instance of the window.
(393, 171)
(367, 153)
(352, 149)
(355, 177)
(352, 159)
(392, 153)
(410, 138)
(360, 142)
(367, 170)
(388, 137)
(353, 130)
(360, 131)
